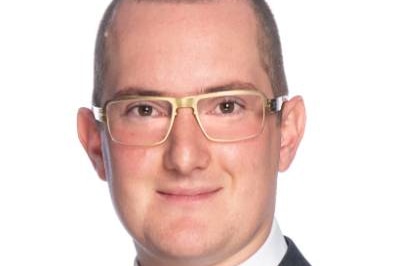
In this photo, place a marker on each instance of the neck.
(266, 239)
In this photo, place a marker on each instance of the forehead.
(183, 47)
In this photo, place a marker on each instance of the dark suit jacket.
(293, 256)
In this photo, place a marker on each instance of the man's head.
(190, 200)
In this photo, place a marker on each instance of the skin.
(190, 201)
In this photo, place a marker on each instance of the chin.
(186, 240)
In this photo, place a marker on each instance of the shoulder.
(293, 256)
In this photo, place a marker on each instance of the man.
(190, 126)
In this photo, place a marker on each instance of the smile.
(189, 195)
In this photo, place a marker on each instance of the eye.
(144, 110)
(222, 106)
(227, 107)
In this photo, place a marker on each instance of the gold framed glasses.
(224, 116)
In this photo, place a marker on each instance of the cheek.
(253, 168)
(130, 179)
(256, 159)
(129, 163)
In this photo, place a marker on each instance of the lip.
(188, 195)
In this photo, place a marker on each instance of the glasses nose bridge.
(186, 102)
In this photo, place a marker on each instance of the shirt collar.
(270, 253)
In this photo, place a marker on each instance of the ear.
(89, 135)
(292, 130)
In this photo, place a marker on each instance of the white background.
(339, 201)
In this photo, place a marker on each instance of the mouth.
(189, 195)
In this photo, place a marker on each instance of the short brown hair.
(268, 40)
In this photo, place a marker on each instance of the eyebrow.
(230, 86)
(141, 91)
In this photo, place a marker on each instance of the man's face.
(190, 198)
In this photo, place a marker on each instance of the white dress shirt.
(270, 253)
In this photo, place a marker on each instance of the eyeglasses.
(224, 116)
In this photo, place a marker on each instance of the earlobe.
(89, 136)
(292, 130)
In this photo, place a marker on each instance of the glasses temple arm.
(98, 113)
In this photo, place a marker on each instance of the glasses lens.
(231, 117)
(139, 121)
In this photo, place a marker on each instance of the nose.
(187, 149)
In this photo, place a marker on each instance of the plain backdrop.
(339, 201)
